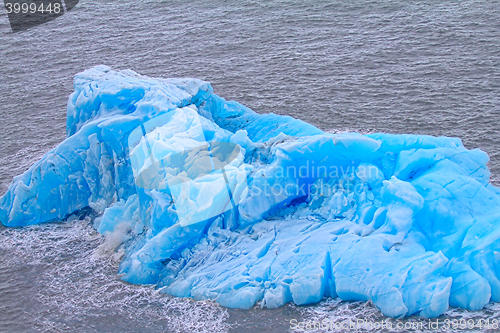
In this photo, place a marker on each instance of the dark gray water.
(423, 67)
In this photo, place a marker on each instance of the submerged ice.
(211, 200)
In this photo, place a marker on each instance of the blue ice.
(216, 202)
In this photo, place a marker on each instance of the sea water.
(395, 67)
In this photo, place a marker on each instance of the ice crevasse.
(214, 201)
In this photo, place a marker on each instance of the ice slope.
(214, 201)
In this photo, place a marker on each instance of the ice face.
(214, 201)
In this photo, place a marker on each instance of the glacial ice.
(214, 201)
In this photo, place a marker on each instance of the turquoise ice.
(214, 201)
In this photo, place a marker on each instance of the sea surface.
(421, 67)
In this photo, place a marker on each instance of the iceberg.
(213, 201)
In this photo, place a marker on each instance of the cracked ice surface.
(213, 201)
